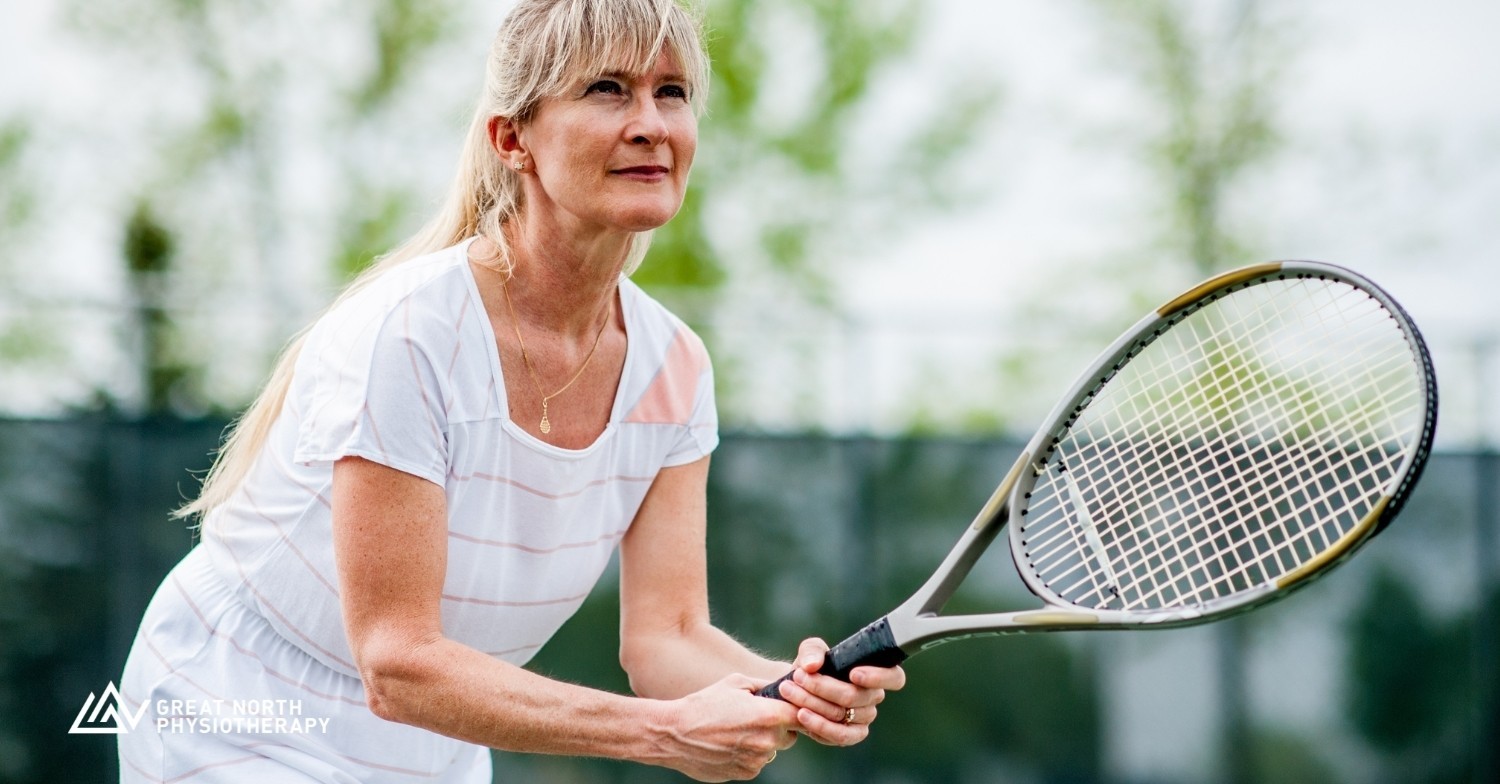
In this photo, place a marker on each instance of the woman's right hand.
(725, 732)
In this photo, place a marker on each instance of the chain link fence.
(1385, 671)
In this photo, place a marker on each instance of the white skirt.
(214, 694)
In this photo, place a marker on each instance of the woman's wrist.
(654, 731)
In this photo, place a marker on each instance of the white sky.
(1392, 166)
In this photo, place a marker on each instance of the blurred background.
(911, 223)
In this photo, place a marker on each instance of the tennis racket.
(1231, 447)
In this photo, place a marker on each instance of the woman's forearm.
(454, 690)
(716, 733)
(679, 661)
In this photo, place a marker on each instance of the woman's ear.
(505, 138)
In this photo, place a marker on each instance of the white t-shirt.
(406, 373)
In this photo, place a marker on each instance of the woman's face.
(612, 153)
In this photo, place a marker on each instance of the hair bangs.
(591, 38)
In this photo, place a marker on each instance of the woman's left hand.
(831, 711)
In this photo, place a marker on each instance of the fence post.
(1486, 720)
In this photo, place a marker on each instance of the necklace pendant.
(546, 424)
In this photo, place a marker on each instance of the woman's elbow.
(394, 675)
(647, 657)
(641, 658)
(632, 661)
(382, 694)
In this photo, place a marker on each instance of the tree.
(254, 161)
(23, 336)
(798, 175)
(1208, 77)
(1409, 684)
(785, 190)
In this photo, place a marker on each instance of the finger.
(841, 693)
(810, 654)
(799, 696)
(831, 733)
(886, 678)
(741, 682)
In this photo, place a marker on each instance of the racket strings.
(1215, 460)
(1158, 462)
(1193, 533)
(1240, 444)
(1225, 560)
(1191, 541)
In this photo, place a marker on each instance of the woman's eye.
(673, 91)
(606, 86)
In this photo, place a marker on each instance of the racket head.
(1231, 447)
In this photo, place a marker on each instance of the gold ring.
(848, 715)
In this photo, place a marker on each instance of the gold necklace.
(546, 424)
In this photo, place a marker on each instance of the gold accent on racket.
(1054, 618)
(1217, 282)
(993, 507)
(1344, 542)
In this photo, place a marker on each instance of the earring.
(518, 166)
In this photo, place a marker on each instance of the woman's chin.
(646, 220)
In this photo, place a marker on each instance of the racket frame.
(916, 624)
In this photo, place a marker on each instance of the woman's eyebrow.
(625, 76)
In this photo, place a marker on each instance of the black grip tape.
(873, 645)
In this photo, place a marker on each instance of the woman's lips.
(644, 173)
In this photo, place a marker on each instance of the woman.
(443, 463)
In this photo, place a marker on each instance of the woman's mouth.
(643, 173)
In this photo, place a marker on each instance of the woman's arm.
(668, 645)
(390, 537)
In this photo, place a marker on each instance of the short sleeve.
(701, 436)
(677, 390)
(368, 387)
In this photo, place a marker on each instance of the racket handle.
(873, 645)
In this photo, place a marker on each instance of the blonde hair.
(541, 50)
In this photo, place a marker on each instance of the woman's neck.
(562, 284)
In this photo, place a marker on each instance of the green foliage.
(790, 163)
(1213, 93)
(781, 194)
(372, 224)
(170, 381)
(17, 197)
(811, 154)
(1409, 686)
(148, 244)
(1282, 757)
(25, 334)
(219, 171)
(1205, 78)
(404, 32)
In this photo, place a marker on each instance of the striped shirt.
(406, 374)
